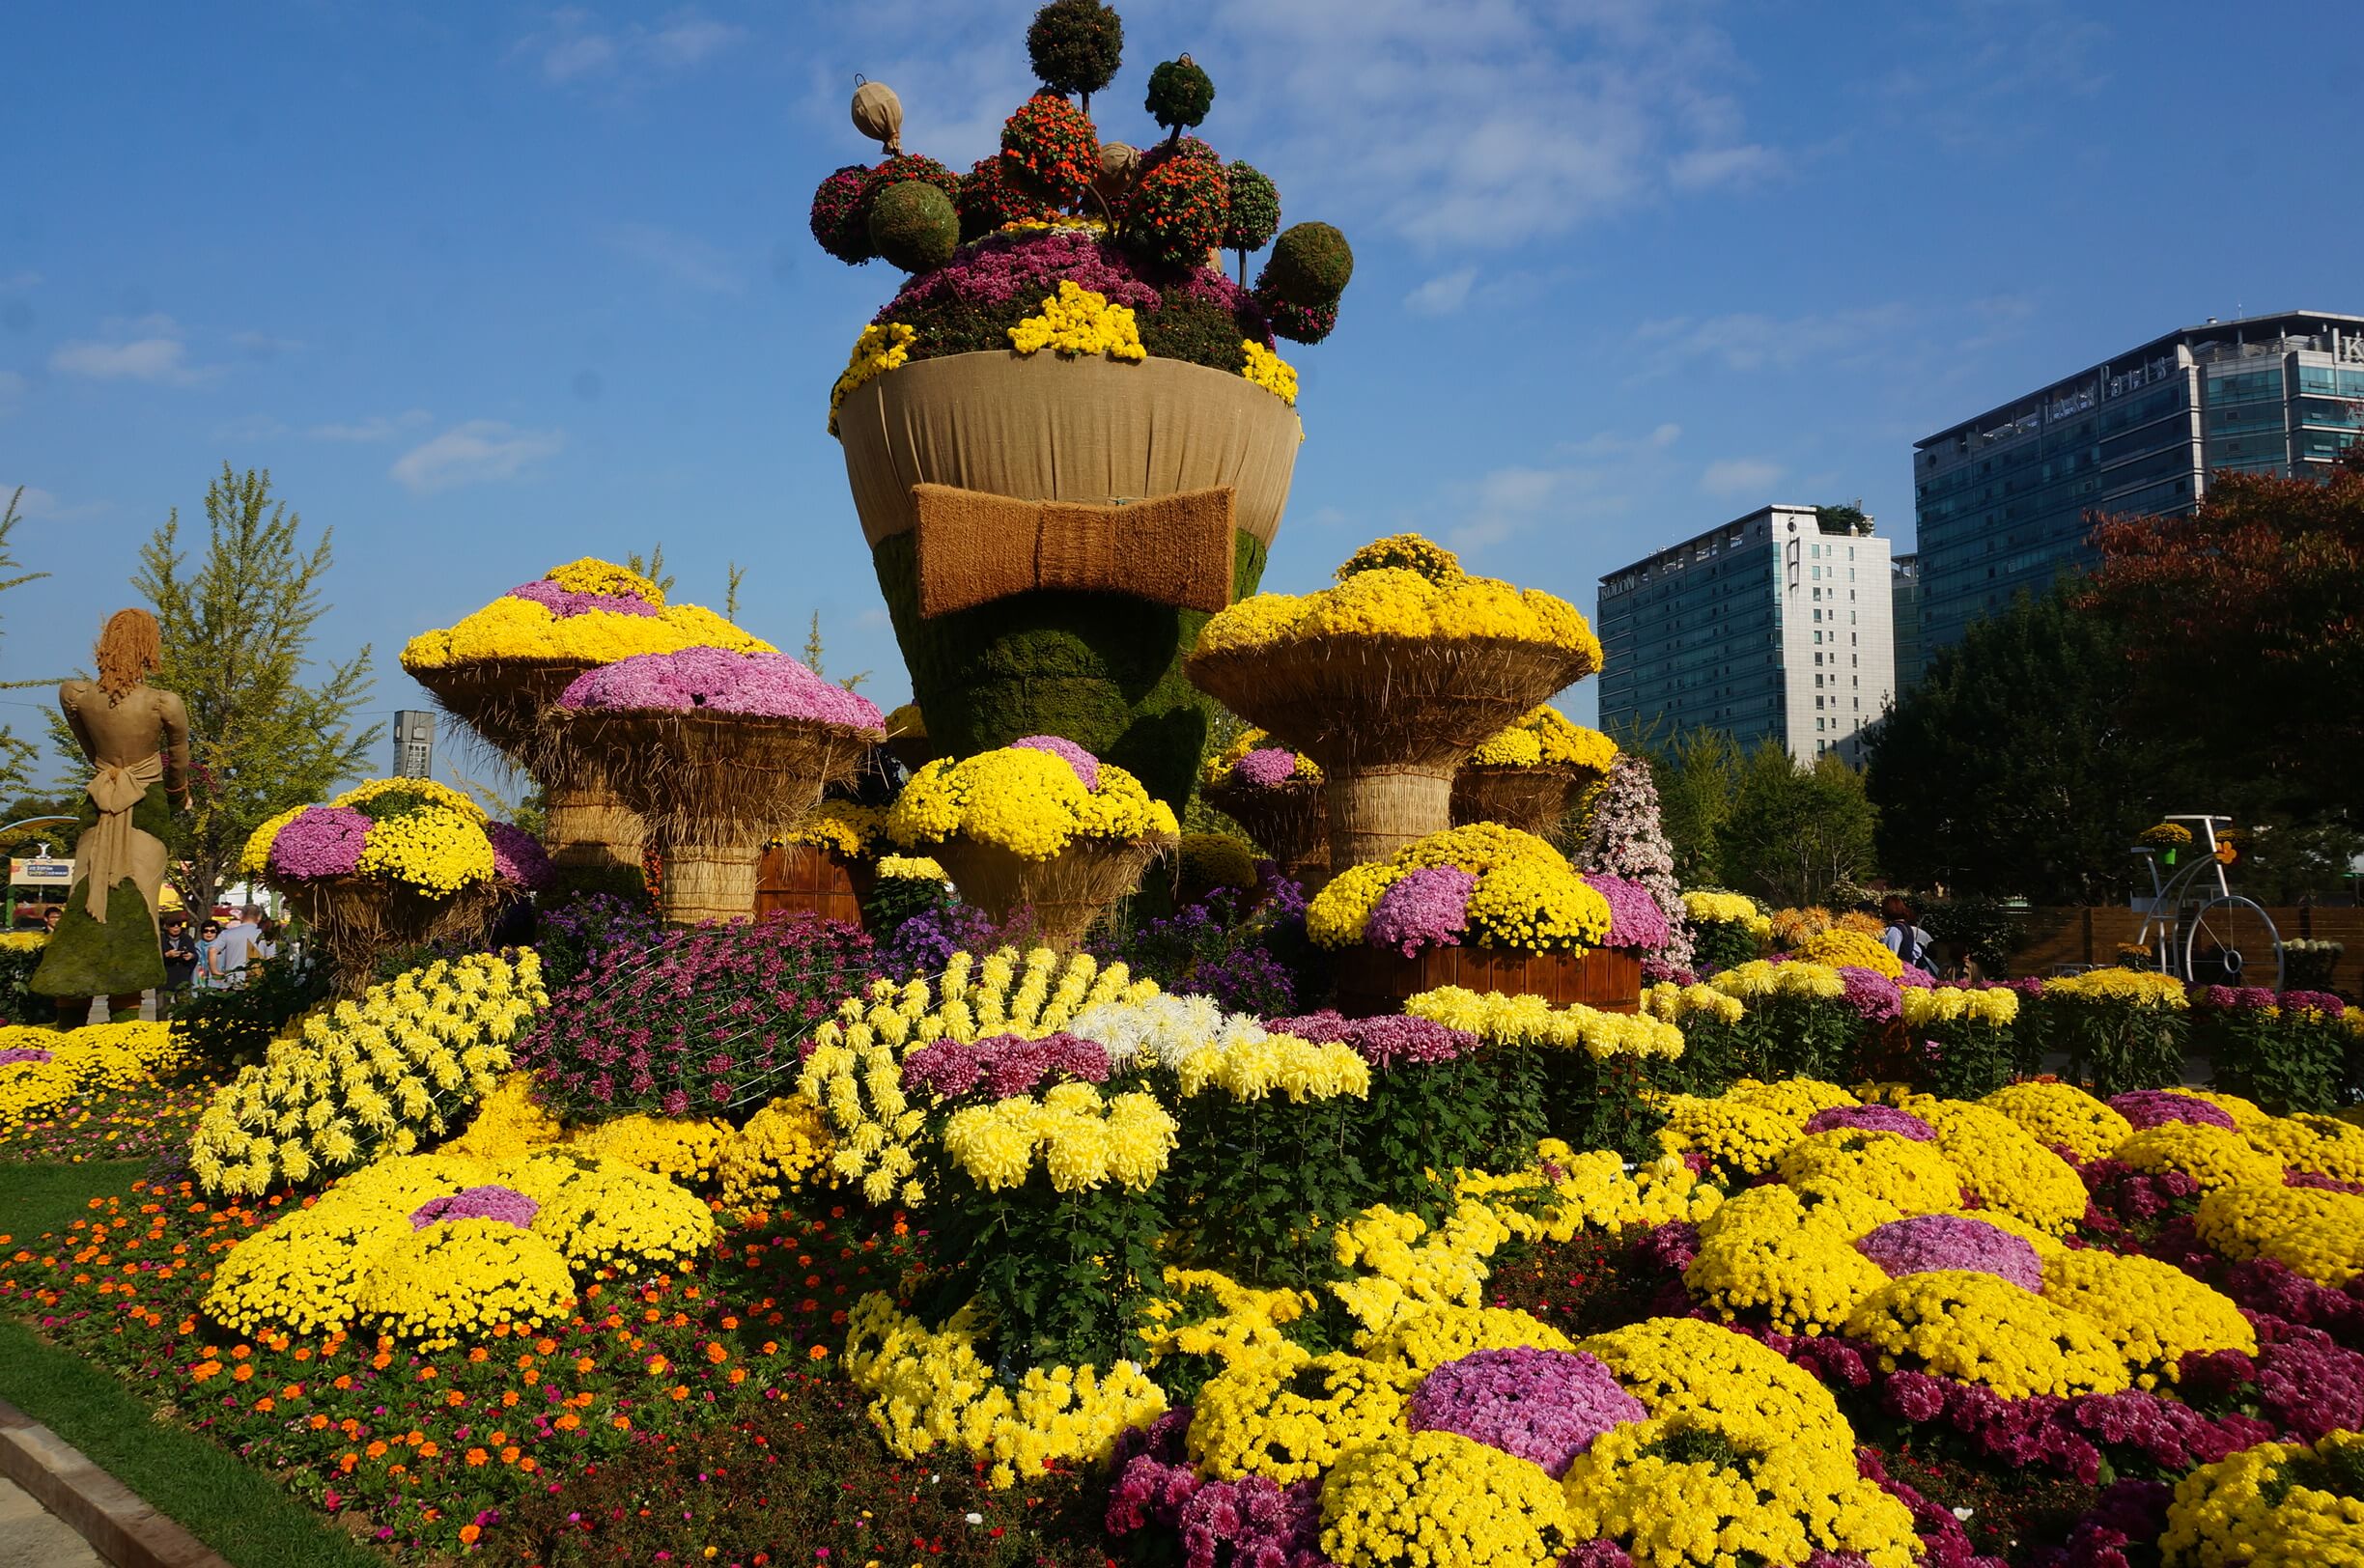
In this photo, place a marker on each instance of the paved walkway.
(33, 1537)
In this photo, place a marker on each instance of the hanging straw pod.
(878, 114)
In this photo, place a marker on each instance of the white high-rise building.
(1775, 626)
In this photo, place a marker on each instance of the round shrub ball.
(1310, 267)
(914, 226)
(1254, 214)
(1180, 93)
(903, 166)
(1050, 147)
(838, 224)
(989, 199)
(1076, 45)
(1176, 212)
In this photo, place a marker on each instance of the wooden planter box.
(1373, 981)
(812, 880)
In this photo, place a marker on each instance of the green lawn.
(239, 1512)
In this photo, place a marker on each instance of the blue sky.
(490, 286)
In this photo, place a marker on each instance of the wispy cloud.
(37, 505)
(1612, 469)
(1707, 168)
(152, 349)
(1443, 295)
(478, 452)
(1751, 341)
(573, 45)
(685, 259)
(263, 345)
(376, 428)
(1728, 477)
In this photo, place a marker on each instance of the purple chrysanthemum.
(762, 686)
(566, 603)
(321, 841)
(1932, 1242)
(1912, 977)
(1872, 1119)
(1266, 768)
(1872, 995)
(1635, 919)
(488, 1202)
(518, 856)
(1542, 1405)
(1382, 1042)
(1427, 908)
(19, 1055)
(1003, 1065)
(2155, 1108)
(1087, 765)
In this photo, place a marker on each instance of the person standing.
(1903, 935)
(180, 960)
(239, 944)
(206, 935)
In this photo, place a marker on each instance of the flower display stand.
(1065, 894)
(1290, 822)
(359, 919)
(1534, 800)
(812, 879)
(1373, 982)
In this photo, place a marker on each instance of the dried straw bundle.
(1532, 800)
(359, 919)
(1290, 820)
(508, 704)
(1065, 893)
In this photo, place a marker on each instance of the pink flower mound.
(564, 603)
(1872, 995)
(324, 840)
(760, 685)
(1873, 1119)
(1266, 768)
(17, 1056)
(1004, 1065)
(1087, 765)
(1635, 919)
(1542, 1405)
(488, 1202)
(1915, 978)
(518, 856)
(1382, 1042)
(995, 271)
(2155, 1108)
(1427, 908)
(1932, 1242)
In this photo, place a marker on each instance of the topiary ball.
(838, 223)
(907, 166)
(1253, 215)
(1050, 149)
(1299, 324)
(1175, 213)
(914, 226)
(989, 199)
(1076, 45)
(1180, 93)
(1181, 147)
(1309, 267)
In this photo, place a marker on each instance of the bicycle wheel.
(2232, 941)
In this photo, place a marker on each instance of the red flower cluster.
(1049, 147)
(1177, 210)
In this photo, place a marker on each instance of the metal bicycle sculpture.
(2195, 926)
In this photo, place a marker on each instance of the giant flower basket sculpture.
(1390, 680)
(718, 752)
(1041, 827)
(393, 864)
(1275, 794)
(1529, 775)
(501, 670)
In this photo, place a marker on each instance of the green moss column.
(1104, 670)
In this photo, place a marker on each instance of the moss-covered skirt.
(86, 959)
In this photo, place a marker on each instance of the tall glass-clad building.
(1904, 605)
(2002, 500)
(1775, 626)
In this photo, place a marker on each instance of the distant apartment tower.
(413, 744)
(1904, 606)
(1777, 625)
(2002, 500)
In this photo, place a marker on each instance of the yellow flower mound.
(1545, 736)
(687, 1151)
(1416, 599)
(509, 1122)
(1527, 898)
(1998, 1008)
(1910, 1175)
(1028, 803)
(1423, 1338)
(519, 629)
(1742, 1140)
(451, 1282)
(2246, 1114)
(1246, 1325)
(1737, 908)
(1674, 1366)
(1796, 1098)
(1712, 1489)
(405, 1063)
(1081, 321)
(1288, 1415)
(1956, 1323)
(24, 941)
(1840, 948)
(930, 1389)
(1408, 1269)
(784, 1147)
(1672, 1003)
(1408, 553)
(908, 868)
(847, 826)
(1760, 980)
(2330, 1251)
(2324, 1146)
(1249, 1070)
(1592, 1190)
(1267, 370)
(2064, 1116)
(1528, 1020)
(2153, 1312)
(1081, 1141)
(2210, 1156)
(592, 576)
(440, 795)
(2237, 1221)
(2133, 988)
(1439, 1499)
(2277, 1505)
(95, 1056)
(1777, 1250)
(2002, 1165)
(878, 350)
(434, 849)
(1220, 765)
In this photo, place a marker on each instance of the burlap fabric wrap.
(976, 547)
(713, 788)
(113, 850)
(1389, 719)
(509, 705)
(1289, 822)
(1532, 800)
(1065, 894)
(356, 920)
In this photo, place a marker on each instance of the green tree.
(17, 755)
(2018, 767)
(237, 628)
(1794, 831)
(1698, 776)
